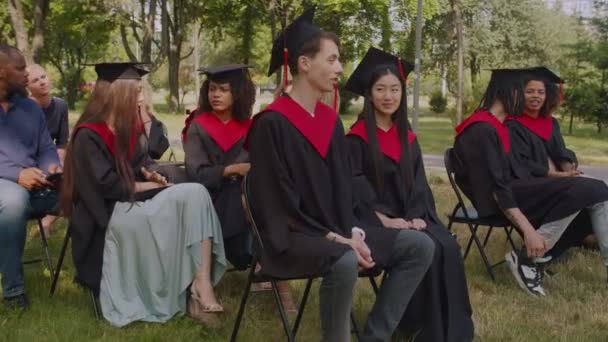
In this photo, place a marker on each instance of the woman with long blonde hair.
(149, 249)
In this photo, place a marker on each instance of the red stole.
(388, 142)
(484, 116)
(317, 129)
(225, 135)
(104, 132)
(541, 126)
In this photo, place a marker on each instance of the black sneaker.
(19, 302)
(526, 273)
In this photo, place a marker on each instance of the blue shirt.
(24, 139)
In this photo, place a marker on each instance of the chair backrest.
(172, 156)
(245, 201)
(448, 162)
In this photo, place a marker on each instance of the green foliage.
(78, 33)
(438, 102)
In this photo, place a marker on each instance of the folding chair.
(254, 277)
(45, 245)
(55, 276)
(172, 157)
(469, 216)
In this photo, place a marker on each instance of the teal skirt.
(153, 251)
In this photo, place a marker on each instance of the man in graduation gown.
(27, 157)
(301, 188)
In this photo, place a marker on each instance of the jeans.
(16, 205)
(599, 224)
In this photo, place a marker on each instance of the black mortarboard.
(373, 59)
(539, 71)
(292, 39)
(546, 74)
(122, 70)
(219, 70)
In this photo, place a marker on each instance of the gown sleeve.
(158, 142)
(200, 166)
(423, 196)
(558, 151)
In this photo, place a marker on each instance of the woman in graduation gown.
(136, 243)
(485, 168)
(539, 147)
(214, 151)
(390, 181)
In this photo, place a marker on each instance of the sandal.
(261, 287)
(204, 313)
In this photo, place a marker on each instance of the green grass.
(573, 311)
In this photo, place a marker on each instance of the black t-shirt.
(57, 121)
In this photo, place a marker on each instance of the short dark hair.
(241, 88)
(310, 49)
(8, 50)
(551, 94)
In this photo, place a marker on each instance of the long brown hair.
(117, 100)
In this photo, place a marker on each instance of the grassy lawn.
(575, 309)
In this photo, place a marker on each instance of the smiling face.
(535, 96)
(220, 97)
(386, 94)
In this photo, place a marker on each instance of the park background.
(179, 36)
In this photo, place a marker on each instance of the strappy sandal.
(204, 313)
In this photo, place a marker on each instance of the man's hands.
(362, 251)
(32, 178)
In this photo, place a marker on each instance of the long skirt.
(153, 251)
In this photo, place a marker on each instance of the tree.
(78, 34)
(30, 42)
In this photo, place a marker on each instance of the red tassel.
(285, 57)
(400, 65)
(336, 94)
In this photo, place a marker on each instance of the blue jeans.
(16, 205)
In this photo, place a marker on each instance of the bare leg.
(47, 221)
(202, 281)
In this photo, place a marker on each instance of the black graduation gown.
(298, 197)
(98, 187)
(158, 143)
(205, 163)
(484, 171)
(531, 152)
(439, 309)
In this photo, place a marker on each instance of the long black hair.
(508, 89)
(241, 87)
(400, 120)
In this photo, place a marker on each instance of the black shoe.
(18, 302)
(526, 272)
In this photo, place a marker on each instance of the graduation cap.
(122, 70)
(288, 43)
(546, 74)
(540, 71)
(374, 59)
(222, 70)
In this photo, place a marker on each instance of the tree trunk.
(148, 36)
(474, 68)
(41, 10)
(387, 29)
(15, 9)
(460, 38)
(247, 29)
(571, 122)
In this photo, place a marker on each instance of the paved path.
(435, 162)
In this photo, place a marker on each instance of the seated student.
(154, 139)
(56, 112)
(391, 182)
(136, 242)
(214, 151)
(301, 189)
(485, 169)
(539, 147)
(27, 156)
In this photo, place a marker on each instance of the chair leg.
(66, 240)
(302, 306)
(485, 241)
(45, 246)
(473, 230)
(354, 326)
(372, 281)
(284, 319)
(508, 232)
(96, 306)
(239, 317)
(482, 252)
